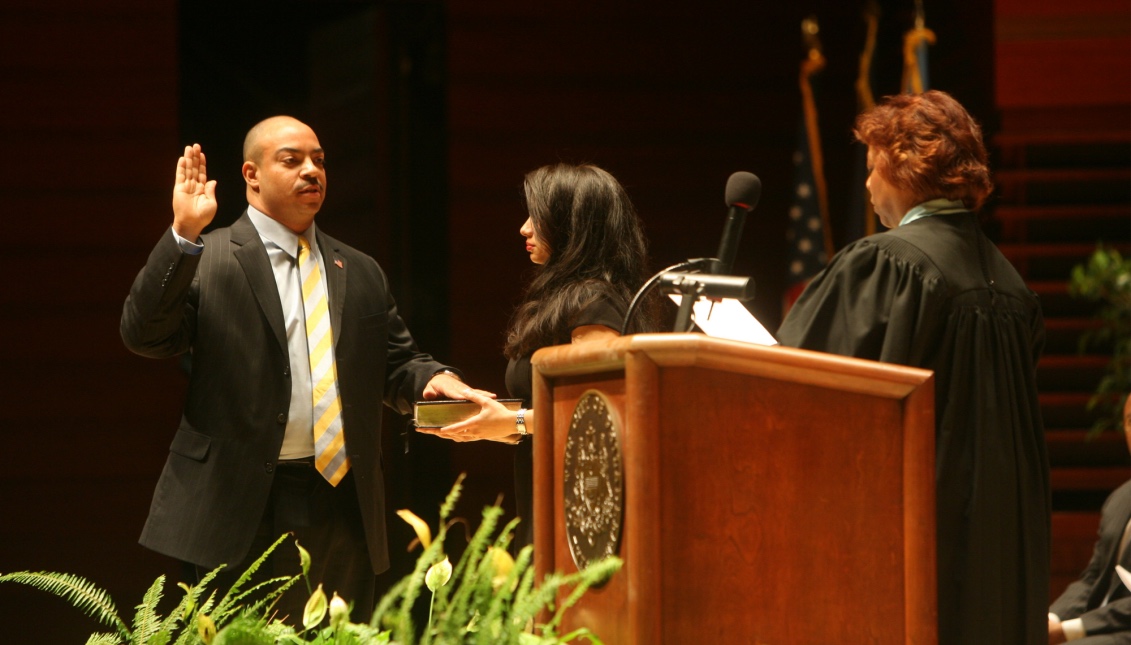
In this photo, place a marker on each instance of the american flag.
(806, 234)
(810, 241)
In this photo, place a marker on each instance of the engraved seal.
(593, 481)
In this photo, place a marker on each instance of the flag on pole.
(809, 234)
(862, 220)
(915, 42)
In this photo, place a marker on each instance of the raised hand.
(194, 197)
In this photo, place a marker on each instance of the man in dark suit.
(1096, 609)
(295, 343)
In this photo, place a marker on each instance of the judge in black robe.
(934, 292)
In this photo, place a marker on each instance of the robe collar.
(940, 206)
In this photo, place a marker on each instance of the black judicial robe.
(936, 293)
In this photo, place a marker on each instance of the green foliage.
(489, 599)
(79, 592)
(147, 624)
(1106, 278)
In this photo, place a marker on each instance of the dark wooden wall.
(89, 122)
(1058, 60)
(1063, 90)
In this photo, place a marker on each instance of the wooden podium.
(769, 495)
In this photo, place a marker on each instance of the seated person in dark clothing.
(1096, 609)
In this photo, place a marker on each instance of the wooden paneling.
(89, 121)
(1064, 72)
(1063, 85)
(670, 106)
(1060, 54)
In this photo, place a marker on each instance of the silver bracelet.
(520, 422)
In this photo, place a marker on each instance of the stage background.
(431, 113)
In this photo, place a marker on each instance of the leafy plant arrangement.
(491, 599)
(1106, 278)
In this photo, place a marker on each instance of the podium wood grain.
(772, 495)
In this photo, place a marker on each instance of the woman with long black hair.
(587, 240)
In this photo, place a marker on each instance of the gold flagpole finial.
(865, 100)
(811, 40)
(810, 36)
(917, 37)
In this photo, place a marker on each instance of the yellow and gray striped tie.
(329, 441)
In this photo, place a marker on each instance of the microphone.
(710, 286)
(743, 191)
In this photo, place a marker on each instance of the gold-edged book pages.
(444, 412)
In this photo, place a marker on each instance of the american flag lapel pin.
(338, 263)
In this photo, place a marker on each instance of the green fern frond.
(207, 606)
(178, 614)
(200, 589)
(227, 602)
(475, 608)
(79, 592)
(188, 634)
(244, 630)
(403, 631)
(263, 606)
(185, 635)
(162, 637)
(503, 599)
(146, 621)
(525, 586)
(104, 639)
(202, 585)
(595, 573)
(364, 634)
(452, 498)
(490, 603)
(507, 534)
(466, 567)
(530, 600)
(465, 572)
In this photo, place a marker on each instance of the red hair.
(928, 145)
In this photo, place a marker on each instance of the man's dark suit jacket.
(1112, 622)
(223, 306)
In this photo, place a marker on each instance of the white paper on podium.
(728, 318)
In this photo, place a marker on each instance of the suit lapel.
(248, 249)
(1109, 582)
(335, 266)
(1116, 587)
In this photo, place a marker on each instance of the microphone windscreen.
(743, 190)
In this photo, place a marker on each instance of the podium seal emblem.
(593, 481)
